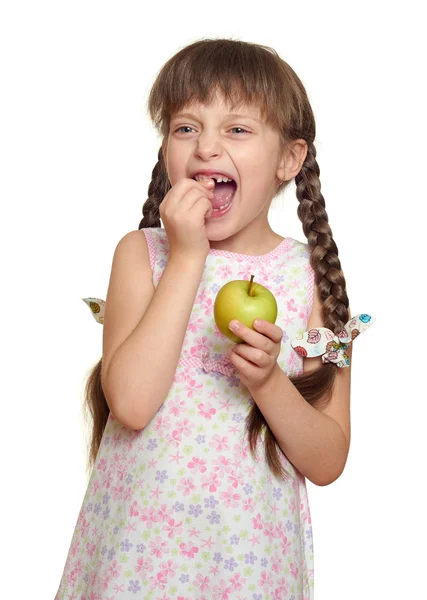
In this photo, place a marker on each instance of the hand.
(256, 361)
(183, 211)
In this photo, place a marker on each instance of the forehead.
(222, 107)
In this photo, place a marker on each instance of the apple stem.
(250, 285)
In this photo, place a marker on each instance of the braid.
(324, 252)
(157, 190)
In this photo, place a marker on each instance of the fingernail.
(258, 323)
(234, 325)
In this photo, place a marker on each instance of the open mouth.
(223, 195)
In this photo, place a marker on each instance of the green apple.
(245, 301)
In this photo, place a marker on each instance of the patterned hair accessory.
(97, 307)
(323, 341)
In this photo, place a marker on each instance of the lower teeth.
(222, 208)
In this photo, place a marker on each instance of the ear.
(292, 160)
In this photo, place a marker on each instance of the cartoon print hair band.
(332, 347)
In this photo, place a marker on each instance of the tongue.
(223, 192)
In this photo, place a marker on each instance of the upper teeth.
(219, 178)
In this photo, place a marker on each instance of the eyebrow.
(230, 115)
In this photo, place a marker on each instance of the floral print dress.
(181, 510)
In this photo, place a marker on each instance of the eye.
(241, 129)
(184, 127)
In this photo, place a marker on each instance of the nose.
(208, 146)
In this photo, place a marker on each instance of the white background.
(77, 151)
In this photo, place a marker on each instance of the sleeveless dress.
(181, 510)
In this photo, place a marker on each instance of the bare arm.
(141, 371)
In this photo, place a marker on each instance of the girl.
(200, 448)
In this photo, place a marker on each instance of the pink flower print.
(257, 522)
(292, 506)
(197, 463)
(95, 487)
(229, 498)
(116, 440)
(280, 530)
(149, 516)
(201, 582)
(176, 457)
(161, 423)
(208, 306)
(286, 545)
(164, 513)
(193, 387)
(206, 410)
(213, 394)
(276, 563)
(188, 549)
(90, 548)
(84, 528)
(221, 591)
(222, 466)
(201, 348)
(235, 478)
(159, 547)
(287, 320)
(211, 480)
(169, 567)
(134, 509)
(266, 579)
(158, 581)
(237, 581)
(270, 531)
(294, 570)
(249, 505)
(246, 272)
(281, 591)
(263, 276)
(128, 494)
(174, 438)
(219, 443)
(241, 451)
(117, 492)
(224, 272)
(176, 406)
(281, 291)
(144, 565)
(115, 569)
(186, 484)
(102, 465)
(185, 426)
(200, 297)
(214, 569)
(75, 548)
(172, 528)
(196, 324)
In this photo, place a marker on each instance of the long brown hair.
(247, 72)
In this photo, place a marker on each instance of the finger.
(253, 338)
(269, 329)
(252, 355)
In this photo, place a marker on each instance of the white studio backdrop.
(77, 151)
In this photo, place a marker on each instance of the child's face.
(251, 155)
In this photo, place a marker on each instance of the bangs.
(243, 74)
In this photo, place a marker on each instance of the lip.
(210, 172)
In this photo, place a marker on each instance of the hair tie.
(322, 341)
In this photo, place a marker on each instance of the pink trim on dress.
(151, 246)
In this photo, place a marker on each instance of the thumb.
(209, 183)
